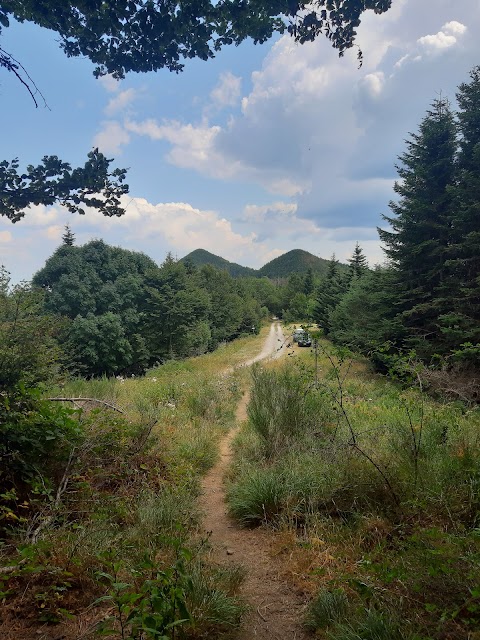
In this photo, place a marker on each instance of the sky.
(259, 151)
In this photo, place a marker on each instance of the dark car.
(304, 340)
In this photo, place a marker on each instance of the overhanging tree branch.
(148, 35)
(55, 182)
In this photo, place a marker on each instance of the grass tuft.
(328, 607)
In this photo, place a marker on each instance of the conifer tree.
(328, 295)
(309, 283)
(462, 323)
(68, 237)
(358, 263)
(422, 220)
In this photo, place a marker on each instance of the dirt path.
(276, 610)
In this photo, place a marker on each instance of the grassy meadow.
(115, 550)
(373, 492)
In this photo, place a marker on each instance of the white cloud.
(454, 27)
(166, 226)
(447, 37)
(318, 129)
(120, 101)
(54, 232)
(195, 147)
(109, 83)
(374, 83)
(111, 137)
(227, 91)
(275, 210)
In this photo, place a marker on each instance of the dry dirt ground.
(275, 609)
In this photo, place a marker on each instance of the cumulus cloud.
(111, 137)
(275, 210)
(119, 102)
(109, 83)
(195, 146)
(445, 38)
(319, 130)
(227, 91)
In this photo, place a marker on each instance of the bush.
(36, 439)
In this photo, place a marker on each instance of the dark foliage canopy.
(147, 35)
(55, 182)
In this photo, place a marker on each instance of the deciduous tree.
(146, 35)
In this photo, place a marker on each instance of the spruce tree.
(358, 263)
(462, 323)
(309, 283)
(328, 295)
(68, 237)
(422, 220)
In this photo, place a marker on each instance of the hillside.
(199, 257)
(295, 261)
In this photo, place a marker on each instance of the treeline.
(121, 313)
(426, 301)
(112, 311)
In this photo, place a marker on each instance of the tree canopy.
(142, 36)
(148, 35)
(55, 182)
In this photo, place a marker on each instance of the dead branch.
(77, 400)
(58, 499)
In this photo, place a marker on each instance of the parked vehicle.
(304, 340)
(297, 334)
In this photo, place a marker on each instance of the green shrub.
(212, 602)
(199, 450)
(163, 513)
(36, 439)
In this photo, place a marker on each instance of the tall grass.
(379, 487)
(130, 498)
(283, 409)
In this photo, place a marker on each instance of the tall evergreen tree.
(68, 237)
(419, 241)
(462, 323)
(309, 283)
(329, 293)
(358, 264)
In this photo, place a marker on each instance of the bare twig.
(339, 400)
(14, 66)
(58, 498)
(77, 400)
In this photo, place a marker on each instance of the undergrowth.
(374, 493)
(103, 538)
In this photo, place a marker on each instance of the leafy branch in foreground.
(55, 182)
(145, 36)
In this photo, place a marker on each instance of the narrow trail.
(276, 610)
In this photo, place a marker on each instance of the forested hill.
(199, 257)
(295, 261)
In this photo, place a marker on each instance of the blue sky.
(261, 150)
